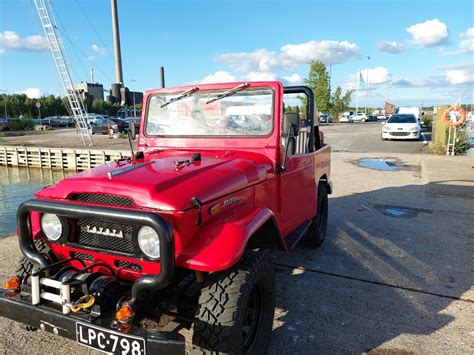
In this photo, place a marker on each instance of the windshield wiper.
(183, 95)
(229, 92)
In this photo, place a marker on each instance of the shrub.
(22, 124)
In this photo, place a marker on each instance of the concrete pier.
(57, 158)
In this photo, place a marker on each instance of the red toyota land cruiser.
(179, 230)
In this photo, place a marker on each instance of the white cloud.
(430, 33)
(460, 76)
(11, 41)
(289, 56)
(329, 52)
(260, 76)
(293, 79)
(219, 77)
(34, 93)
(376, 77)
(466, 44)
(99, 50)
(390, 47)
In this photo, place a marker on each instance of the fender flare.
(220, 244)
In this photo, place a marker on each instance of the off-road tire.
(223, 312)
(317, 230)
(25, 266)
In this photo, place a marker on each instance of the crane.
(55, 44)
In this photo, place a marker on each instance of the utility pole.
(117, 53)
(133, 94)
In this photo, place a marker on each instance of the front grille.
(129, 266)
(103, 199)
(399, 134)
(91, 233)
(82, 256)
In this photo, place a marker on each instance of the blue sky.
(420, 51)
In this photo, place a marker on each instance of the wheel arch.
(325, 181)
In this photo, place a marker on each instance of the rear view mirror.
(131, 129)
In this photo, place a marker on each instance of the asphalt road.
(365, 137)
(395, 275)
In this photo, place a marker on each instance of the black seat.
(291, 125)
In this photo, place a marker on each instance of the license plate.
(109, 341)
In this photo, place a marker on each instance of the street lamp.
(133, 94)
(367, 86)
(5, 102)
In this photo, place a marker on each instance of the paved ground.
(365, 137)
(354, 137)
(380, 284)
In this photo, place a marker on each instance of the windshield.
(247, 112)
(402, 119)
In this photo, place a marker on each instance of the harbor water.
(18, 185)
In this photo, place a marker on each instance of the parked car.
(135, 119)
(93, 117)
(401, 127)
(325, 118)
(359, 117)
(345, 118)
(372, 118)
(102, 126)
(179, 232)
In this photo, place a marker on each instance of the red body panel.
(236, 180)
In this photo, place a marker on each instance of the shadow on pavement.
(377, 276)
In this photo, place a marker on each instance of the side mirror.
(383, 123)
(131, 129)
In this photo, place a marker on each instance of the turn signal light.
(12, 284)
(124, 313)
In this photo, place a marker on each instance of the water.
(379, 164)
(400, 211)
(18, 185)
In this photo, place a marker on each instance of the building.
(95, 91)
(389, 108)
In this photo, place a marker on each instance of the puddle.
(380, 164)
(400, 212)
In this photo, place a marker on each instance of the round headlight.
(149, 242)
(51, 226)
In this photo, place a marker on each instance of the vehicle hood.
(157, 182)
(401, 126)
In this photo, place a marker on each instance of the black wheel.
(317, 230)
(25, 266)
(236, 308)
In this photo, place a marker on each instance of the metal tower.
(57, 50)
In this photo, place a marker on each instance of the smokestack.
(162, 76)
(117, 54)
(92, 75)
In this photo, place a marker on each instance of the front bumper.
(400, 135)
(51, 320)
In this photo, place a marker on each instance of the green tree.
(339, 103)
(318, 81)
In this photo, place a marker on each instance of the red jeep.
(178, 230)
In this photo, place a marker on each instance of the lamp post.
(133, 94)
(5, 102)
(367, 86)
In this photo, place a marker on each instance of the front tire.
(236, 308)
(25, 266)
(317, 230)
